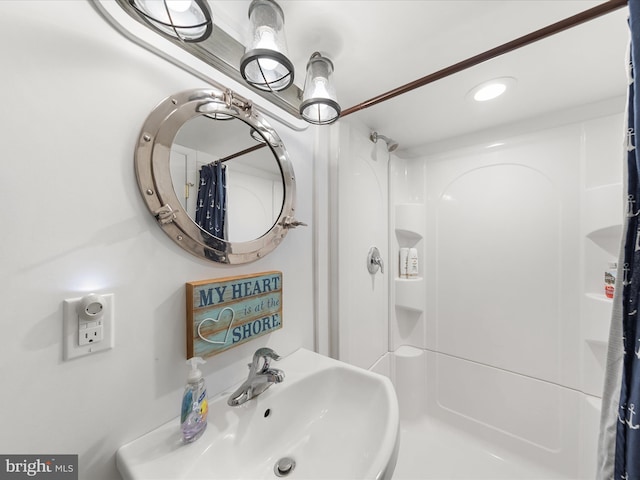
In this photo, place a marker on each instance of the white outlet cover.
(70, 347)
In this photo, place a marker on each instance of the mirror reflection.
(226, 178)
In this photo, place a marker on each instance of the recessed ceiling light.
(491, 89)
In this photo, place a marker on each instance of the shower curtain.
(619, 441)
(211, 209)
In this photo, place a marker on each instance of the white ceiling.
(379, 45)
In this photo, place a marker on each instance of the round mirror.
(216, 176)
(206, 147)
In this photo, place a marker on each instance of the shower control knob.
(374, 261)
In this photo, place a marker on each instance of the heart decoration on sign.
(216, 320)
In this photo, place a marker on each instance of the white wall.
(517, 233)
(75, 96)
(503, 254)
(360, 173)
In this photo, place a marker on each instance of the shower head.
(391, 144)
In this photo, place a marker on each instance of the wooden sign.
(228, 312)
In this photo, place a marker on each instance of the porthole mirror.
(216, 176)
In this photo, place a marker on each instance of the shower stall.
(497, 347)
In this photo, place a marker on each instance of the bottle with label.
(412, 263)
(193, 417)
(610, 279)
(404, 260)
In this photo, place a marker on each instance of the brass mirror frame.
(153, 174)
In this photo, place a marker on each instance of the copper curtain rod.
(532, 37)
(257, 146)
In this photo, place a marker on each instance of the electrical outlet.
(93, 333)
(82, 336)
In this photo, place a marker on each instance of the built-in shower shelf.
(607, 241)
(600, 297)
(410, 293)
(606, 233)
(605, 208)
(407, 238)
(594, 357)
(410, 221)
(596, 317)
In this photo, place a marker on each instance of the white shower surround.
(502, 338)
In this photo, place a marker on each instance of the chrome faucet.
(259, 378)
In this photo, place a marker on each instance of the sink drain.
(284, 466)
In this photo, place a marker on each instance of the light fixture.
(262, 137)
(90, 307)
(319, 104)
(491, 89)
(265, 64)
(186, 20)
(213, 111)
(256, 136)
(215, 105)
(222, 117)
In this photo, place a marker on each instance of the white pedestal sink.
(333, 420)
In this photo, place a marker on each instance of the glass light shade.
(262, 137)
(256, 136)
(212, 110)
(186, 20)
(319, 104)
(265, 64)
(219, 116)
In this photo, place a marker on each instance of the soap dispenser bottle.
(193, 419)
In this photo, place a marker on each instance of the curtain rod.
(257, 146)
(532, 37)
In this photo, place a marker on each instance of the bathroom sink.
(327, 420)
